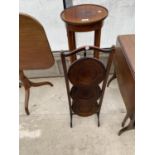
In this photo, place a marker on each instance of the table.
(124, 62)
(84, 18)
(34, 52)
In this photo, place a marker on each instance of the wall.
(119, 21)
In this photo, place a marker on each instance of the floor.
(47, 132)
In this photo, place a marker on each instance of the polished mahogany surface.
(127, 42)
(86, 72)
(84, 14)
(85, 93)
(35, 51)
(124, 61)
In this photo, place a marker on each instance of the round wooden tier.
(86, 72)
(85, 94)
(84, 14)
(85, 108)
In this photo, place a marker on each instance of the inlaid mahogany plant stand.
(84, 18)
(86, 80)
(34, 52)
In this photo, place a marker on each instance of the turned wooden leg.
(112, 78)
(71, 43)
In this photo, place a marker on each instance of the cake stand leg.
(71, 117)
(98, 117)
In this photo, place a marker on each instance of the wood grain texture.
(127, 42)
(84, 14)
(84, 76)
(84, 18)
(35, 52)
(86, 72)
(124, 61)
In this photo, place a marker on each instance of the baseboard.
(56, 70)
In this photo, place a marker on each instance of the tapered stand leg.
(98, 117)
(27, 85)
(71, 123)
(97, 38)
(71, 43)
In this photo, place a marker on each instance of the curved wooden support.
(27, 85)
(111, 79)
(40, 84)
(125, 119)
(130, 126)
(27, 94)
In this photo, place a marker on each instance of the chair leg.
(27, 94)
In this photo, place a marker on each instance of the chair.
(86, 80)
(34, 52)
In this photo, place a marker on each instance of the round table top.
(84, 14)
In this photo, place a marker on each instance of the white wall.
(119, 21)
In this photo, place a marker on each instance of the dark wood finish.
(85, 97)
(84, 18)
(112, 78)
(86, 72)
(84, 93)
(124, 61)
(34, 52)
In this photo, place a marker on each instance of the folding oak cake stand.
(86, 80)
